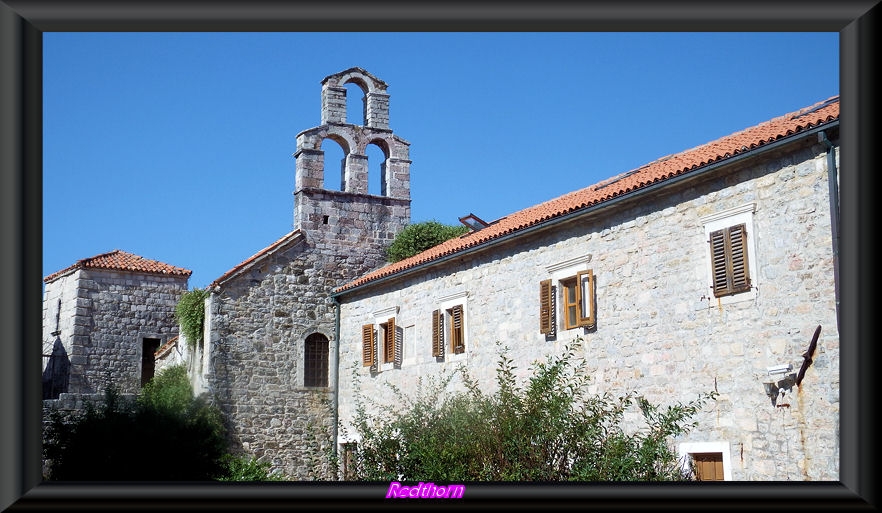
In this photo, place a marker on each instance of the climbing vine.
(190, 314)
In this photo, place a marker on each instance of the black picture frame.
(21, 26)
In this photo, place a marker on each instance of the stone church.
(710, 269)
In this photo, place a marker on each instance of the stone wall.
(103, 317)
(659, 331)
(259, 322)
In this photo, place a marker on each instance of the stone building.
(268, 358)
(103, 318)
(708, 270)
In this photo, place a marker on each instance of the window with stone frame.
(706, 461)
(450, 327)
(382, 344)
(729, 235)
(576, 300)
(448, 331)
(315, 361)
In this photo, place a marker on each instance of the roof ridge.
(144, 264)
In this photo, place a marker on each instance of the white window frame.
(382, 317)
(720, 220)
(445, 303)
(559, 272)
(687, 449)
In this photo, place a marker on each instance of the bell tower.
(351, 216)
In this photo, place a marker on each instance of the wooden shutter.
(545, 309)
(367, 345)
(738, 244)
(437, 334)
(585, 294)
(399, 346)
(389, 341)
(729, 260)
(708, 466)
(457, 335)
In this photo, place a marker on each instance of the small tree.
(551, 430)
(418, 237)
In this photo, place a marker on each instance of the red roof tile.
(282, 241)
(166, 348)
(654, 172)
(117, 260)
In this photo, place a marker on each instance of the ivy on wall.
(190, 314)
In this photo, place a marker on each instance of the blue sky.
(179, 146)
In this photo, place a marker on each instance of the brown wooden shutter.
(708, 466)
(738, 245)
(437, 334)
(585, 294)
(457, 329)
(718, 262)
(399, 346)
(729, 260)
(367, 345)
(545, 317)
(389, 341)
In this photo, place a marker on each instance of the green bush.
(169, 390)
(162, 435)
(551, 430)
(418, 237)
(242, 468)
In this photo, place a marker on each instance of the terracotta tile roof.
(658, 171)
(117, 260)
(282, 241)
(166, 348)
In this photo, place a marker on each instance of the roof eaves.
(483, 237)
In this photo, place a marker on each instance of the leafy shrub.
(162, 435)
(551, 430)
(418, 237)
(242, 468)
(169, 390)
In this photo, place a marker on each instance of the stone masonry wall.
(259, 322)
(61, 323)
(104, 317)
(657, 332)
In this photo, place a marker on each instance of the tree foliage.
(550, 430)
(418, 237)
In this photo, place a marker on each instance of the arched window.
(376, 170)
(315, 361)
(355, 106)
(335, 161)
